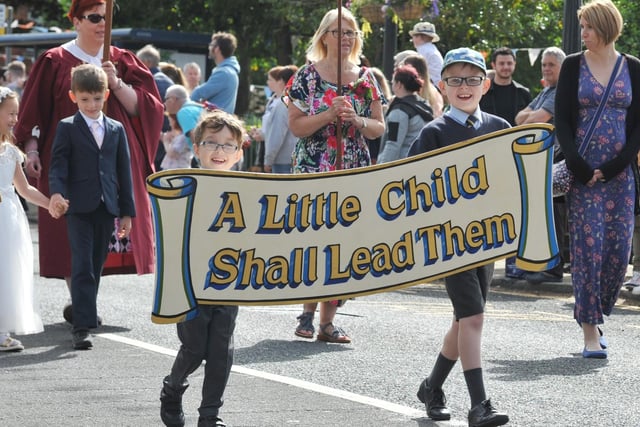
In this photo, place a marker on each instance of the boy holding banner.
(217, 143)
(464, 80)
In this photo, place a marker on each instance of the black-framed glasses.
(213, 146)
(470, 81)
(94, 18)
(350, 34)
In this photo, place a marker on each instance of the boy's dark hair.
(216, 121)
(88, 78)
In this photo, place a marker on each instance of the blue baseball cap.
(466, 56)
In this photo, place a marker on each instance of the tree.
(274, 32)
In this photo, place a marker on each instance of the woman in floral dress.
(603, 196)
(314, 111)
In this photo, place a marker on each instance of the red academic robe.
(45, 101)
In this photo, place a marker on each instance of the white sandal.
(11, 344)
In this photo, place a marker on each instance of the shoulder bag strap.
(596, 116)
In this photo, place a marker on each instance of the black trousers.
(89, 235)
(208, 337)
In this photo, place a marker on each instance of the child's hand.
(58, 205)
(124, 227)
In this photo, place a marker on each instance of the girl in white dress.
(17, 313)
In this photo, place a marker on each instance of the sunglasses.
(94, 18)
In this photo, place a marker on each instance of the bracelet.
(33, 152)
(364, 123)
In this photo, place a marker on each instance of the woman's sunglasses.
(94, 18)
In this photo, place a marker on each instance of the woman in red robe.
(134, 101)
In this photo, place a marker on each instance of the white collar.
(73, 48)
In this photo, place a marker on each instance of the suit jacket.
(86, 174)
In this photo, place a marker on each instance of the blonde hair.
(604, 17)
(317, 50)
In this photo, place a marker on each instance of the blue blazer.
(85, 174)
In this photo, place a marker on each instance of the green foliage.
(274, 32)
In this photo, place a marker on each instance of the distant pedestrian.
(221, 89)
(192, 75)
(424, 38)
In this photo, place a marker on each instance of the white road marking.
(334, 392)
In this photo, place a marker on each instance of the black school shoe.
(211, 422)
(434, 401)
(485, 415)
(171, 403)
(81, 340)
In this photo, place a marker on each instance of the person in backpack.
(407, 114)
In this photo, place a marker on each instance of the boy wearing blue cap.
(464, 81)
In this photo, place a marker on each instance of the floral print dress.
(313, 95)
(601, 217)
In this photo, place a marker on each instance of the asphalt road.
(532, 363)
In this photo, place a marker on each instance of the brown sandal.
(305, 327)
(338, 335)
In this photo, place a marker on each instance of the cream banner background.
(248, 238)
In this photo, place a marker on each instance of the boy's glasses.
(94, 18)
(346, 33)
(213, 146)
(470, 81)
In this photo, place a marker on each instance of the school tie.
(98, 133)
(471, 121)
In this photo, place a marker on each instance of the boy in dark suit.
(464, 81)
(90, 167)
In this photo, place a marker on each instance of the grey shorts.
(468, 290)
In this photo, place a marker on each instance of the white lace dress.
(17, 313)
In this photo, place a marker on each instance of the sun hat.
(426, 28)
(466, 56)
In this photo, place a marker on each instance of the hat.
(466, 56)
(79, 6)
(426, 28)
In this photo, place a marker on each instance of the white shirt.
(434, 60)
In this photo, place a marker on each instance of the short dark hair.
(502, 51)
(227, 43)
(88, 78)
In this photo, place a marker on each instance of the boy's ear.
(106, 94)
(486, 84)
(441, 86)
(72, 96)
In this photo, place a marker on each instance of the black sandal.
(338, 335)
(305, 327)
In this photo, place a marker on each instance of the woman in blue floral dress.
(603, 197)
(314, 111)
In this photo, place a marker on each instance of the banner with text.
(244, 238)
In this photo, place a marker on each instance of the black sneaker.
(171, 404)
(211, 422)
(485, 415)
(434, 401)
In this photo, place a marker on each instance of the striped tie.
(471, 121)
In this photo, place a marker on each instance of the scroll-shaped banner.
(247, 238)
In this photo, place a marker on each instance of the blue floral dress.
(601, 217)
(313, 95)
